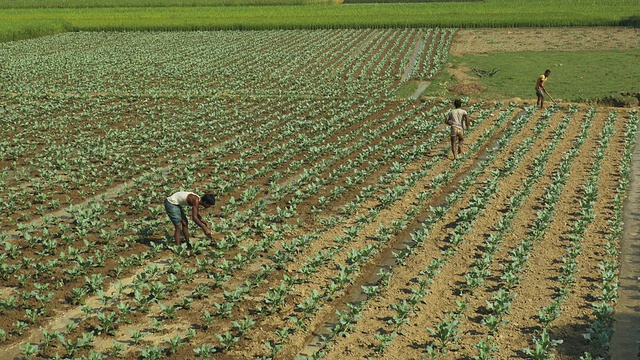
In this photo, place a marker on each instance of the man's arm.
(195, 216)
(542, 80)
(204, 222)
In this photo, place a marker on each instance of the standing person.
(174, 205)
(458, 119)
(540, 89)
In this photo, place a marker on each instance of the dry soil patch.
(478, 41)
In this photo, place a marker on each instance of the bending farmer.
(458, 119)
(174, 205)
(540, 89)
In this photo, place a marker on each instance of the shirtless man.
(458, 119)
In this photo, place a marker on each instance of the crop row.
(339, 214)
(409, 306)
(94, 282)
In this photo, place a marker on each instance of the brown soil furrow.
(577, 315)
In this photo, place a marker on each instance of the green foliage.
(543, 348)
(33, 18)
(37, 4)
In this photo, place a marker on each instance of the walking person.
(458, 119)
(540, 89)
(175, 204)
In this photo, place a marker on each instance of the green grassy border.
(575, 75)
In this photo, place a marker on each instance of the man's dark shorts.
(175, 212)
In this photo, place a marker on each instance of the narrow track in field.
(625, 339)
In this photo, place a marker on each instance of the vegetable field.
(344, 228)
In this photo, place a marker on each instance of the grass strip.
(572, 74)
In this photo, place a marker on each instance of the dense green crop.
(39, 4)
(29, 22)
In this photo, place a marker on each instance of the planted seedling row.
(402, 256)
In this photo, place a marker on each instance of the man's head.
(208, 200)
(547, 73)
(457, 103)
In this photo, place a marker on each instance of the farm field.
(344, 228)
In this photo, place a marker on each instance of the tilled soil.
(376, 210)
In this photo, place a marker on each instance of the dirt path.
(625, 339)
